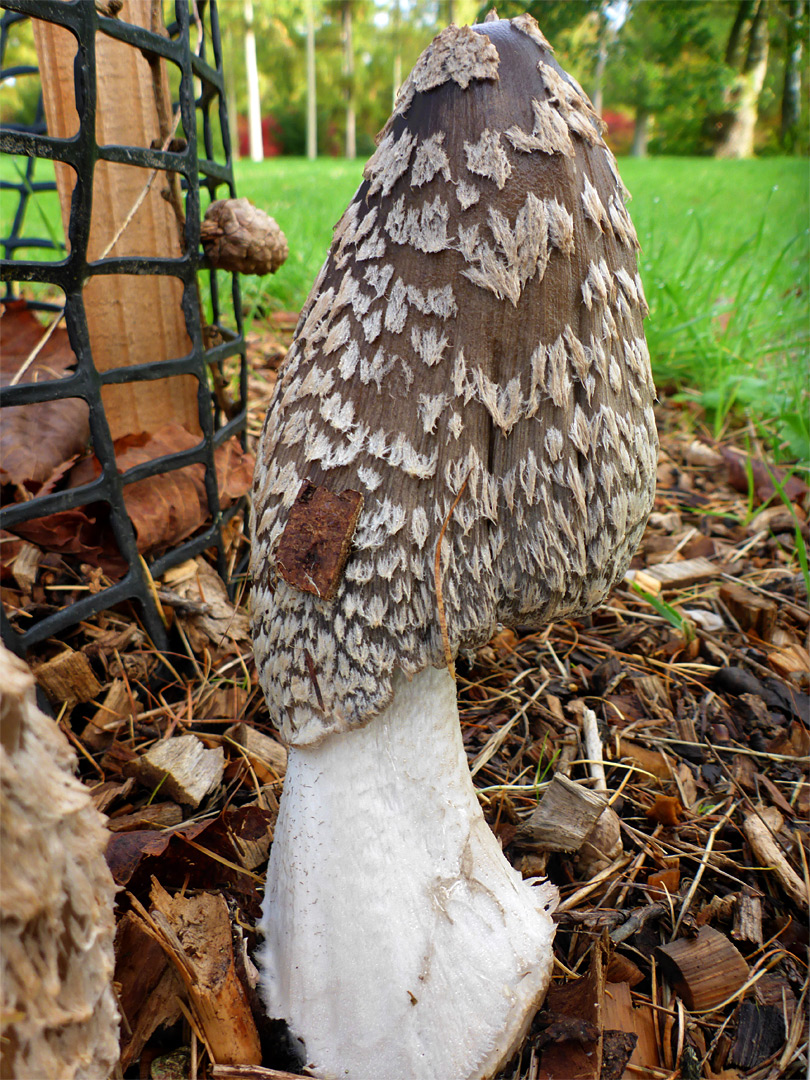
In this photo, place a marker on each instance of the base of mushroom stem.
(399, 942)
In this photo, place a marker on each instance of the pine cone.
(237, 236)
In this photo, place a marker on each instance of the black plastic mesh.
(202, 107)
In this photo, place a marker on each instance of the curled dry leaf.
(164, 509)
(763, 477)
(663, 883)
(167, 508)
(666, 810)
(761, 827)
(35, 439)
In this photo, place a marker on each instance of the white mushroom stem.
(399, 942)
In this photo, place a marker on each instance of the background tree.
(669, 72)
(254, 94)
(312, 96)
(747, 50)
(348, 75)
(796, 12)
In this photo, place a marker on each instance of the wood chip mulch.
(652, 760)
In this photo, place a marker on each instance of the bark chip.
(317, 538)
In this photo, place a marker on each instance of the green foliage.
(725, 266)
(668, 612)
(668, 62)
(18, 101)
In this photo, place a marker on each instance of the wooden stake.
(131, 319)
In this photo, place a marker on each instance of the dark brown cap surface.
(478, 319)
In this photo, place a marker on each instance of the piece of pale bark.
(761, 827)
(68, 678)
(748, 917)
(113, 711)
(267, 756)
(59, 1017)
(563, 818)
(676, 575)
(26, 566)
(186, 771)
(201, 947)
(602, 846)
(754, 614)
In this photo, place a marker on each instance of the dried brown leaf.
(662, 883)
(35, 439)
(666, 810)
(167, 508)
(738, 465)
(136, 857)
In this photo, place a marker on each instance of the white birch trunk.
(312, 98)
(254, 97)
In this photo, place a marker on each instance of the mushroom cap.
(471, 357)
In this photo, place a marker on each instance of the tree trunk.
(735, 38)
(738, 141)
(312, 99)
(231, 61)
(131, 319)
(601, 60)
(348, 73)
(641, 133)
(792, 87)
(254, 99)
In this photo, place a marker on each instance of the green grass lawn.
(725, 262)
